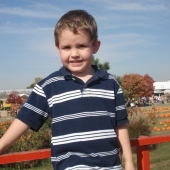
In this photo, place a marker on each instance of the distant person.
(152, 99)
(86, 104)
(159, 99)
(132, 105)
(162, 99)
(1, 104)
(128, 102)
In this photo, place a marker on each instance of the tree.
(104, 66)
(118, 78)
(134, 84)
(14, 98)
(149, 90)
(36, 80)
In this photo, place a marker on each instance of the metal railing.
(141, 143)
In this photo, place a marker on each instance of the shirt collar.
(98, 73)
(65, 71)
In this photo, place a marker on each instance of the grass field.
(160, 158)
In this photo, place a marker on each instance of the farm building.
(161, 87)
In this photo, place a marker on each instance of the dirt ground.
(4, 116)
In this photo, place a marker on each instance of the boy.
(86, 104)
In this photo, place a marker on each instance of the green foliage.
(104, 66)
(125, 94)
(29, 141)
(36, 80)
(118, 78)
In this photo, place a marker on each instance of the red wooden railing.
(141, 143)
(142, 146)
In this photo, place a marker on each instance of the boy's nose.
(74, 53)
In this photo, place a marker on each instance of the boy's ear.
(57, 49)
(96, 46)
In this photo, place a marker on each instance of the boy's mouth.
(76, 61)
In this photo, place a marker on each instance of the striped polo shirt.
(84, 118)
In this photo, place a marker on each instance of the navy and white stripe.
(51, 80)
(119, 91)
(81, 115)
(85, 167)
(123, 107)
(100, 154)
(83, 136)
(63, 97)
(31, 107)
(38, 90)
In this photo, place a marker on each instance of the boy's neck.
(86, 76)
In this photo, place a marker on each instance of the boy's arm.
(123, 136)
(16, 129)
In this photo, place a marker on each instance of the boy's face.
(76, 52)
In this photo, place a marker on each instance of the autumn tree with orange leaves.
(149, 90)
(137, 85)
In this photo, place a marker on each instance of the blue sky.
(135, 37)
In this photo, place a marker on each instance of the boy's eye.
(66, 47)
(81, 46)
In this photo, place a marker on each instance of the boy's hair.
(75, 21)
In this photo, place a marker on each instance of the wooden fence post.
(143, 157)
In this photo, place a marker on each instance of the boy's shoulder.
(112, 77)
(103, 74)
(56, 75)
(59, 73)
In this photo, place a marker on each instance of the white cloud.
(134, 6)
(24, 28)
(35, 11)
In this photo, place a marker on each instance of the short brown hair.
(75, 21)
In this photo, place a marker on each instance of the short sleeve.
(121, 112)
(35, 111)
